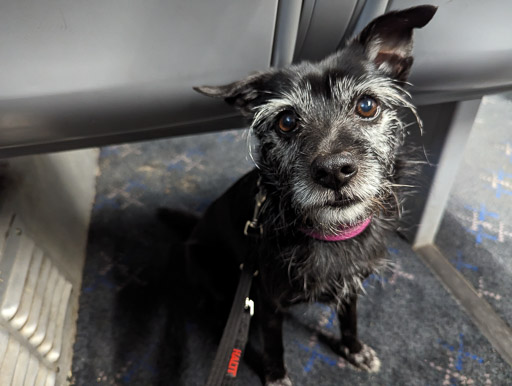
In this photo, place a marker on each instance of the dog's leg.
(358, 354)
(273, 351)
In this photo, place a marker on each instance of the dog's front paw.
(366, 359)
(285, 381)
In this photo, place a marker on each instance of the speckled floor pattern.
(476, 232)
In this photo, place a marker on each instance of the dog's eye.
(287, 122)
(367, 107)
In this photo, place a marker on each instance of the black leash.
(232, 344)
(234, 337)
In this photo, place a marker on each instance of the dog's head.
(328, 132)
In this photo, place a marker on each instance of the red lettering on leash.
(234, 362)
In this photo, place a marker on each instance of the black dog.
(329, 136)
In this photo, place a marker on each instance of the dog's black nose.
(333, 170)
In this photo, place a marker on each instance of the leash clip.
(252, 228)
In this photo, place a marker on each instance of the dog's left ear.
(244, 94)
(387, 40)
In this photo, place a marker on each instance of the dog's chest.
(318, 271)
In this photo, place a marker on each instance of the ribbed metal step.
(34, 303)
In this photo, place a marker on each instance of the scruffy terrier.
(328, 142)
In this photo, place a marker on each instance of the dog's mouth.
(338, 219)
(342, 202)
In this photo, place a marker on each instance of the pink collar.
(345, 232)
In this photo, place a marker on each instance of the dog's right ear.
(244, 94)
